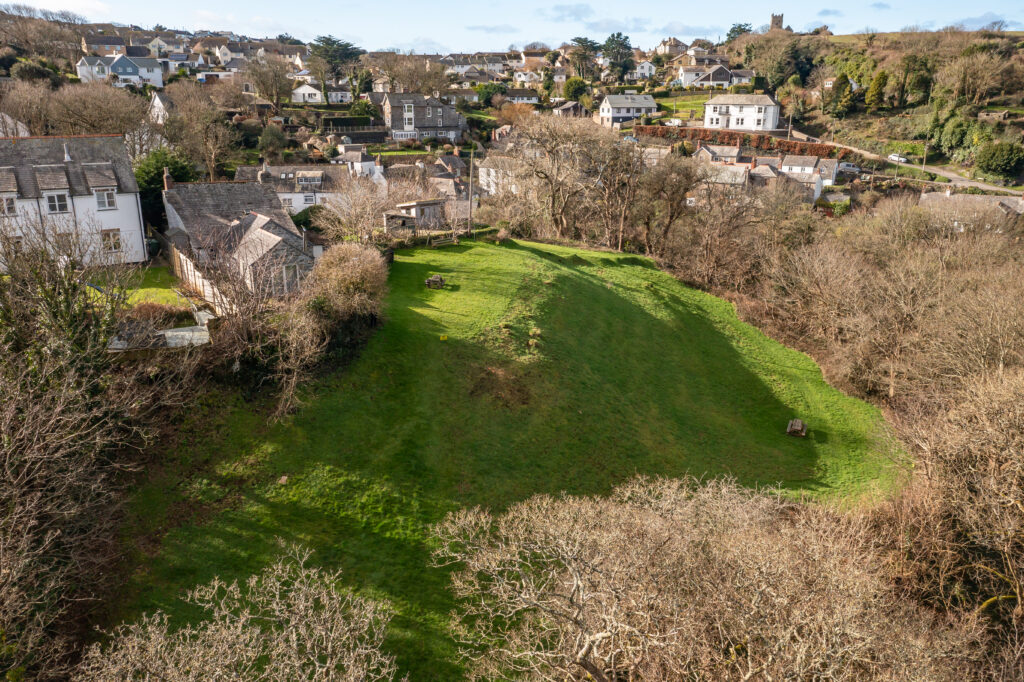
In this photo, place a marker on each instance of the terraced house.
(81, 187)
(409, 116)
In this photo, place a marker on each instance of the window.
(308, 198)
(760, 122)
(291, 277)
(439, 110)
(739, 121)
(408, 109)
(57, 203)
(8, 206)
(760, 110)
(429, 111)
(111, 240)
(106, 199)
(284, 175)
(286, 202)
(408, 122)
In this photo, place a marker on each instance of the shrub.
(676, 580)
(1002, 158)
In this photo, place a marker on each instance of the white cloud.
(974, 23)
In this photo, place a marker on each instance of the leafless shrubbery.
(290, 622)
(359, 212)
(957, 536)
(82, 109)
(70, 416)
(675, 580)
(283, 338)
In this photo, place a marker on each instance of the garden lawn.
(156, 284)
(537, 369)
(683, 104)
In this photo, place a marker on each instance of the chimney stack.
(168, 180)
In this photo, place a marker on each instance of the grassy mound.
(537, 369)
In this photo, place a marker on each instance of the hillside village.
(546, 362)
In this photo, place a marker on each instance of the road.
(955, 179)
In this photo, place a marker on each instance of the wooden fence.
(185, 270)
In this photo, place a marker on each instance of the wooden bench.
(434, 282)
(797, 428)
(442, 241)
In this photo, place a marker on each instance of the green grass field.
(156, 284)
(684, 104)
(537, 369)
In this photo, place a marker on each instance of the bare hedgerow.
(678, 580)
(291, 622)
(71, 415)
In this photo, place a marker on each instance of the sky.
(429, 26)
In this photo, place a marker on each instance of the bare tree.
(289, 622)
(270, 78)
(197, 126)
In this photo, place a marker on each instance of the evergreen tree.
(149, 174)
(619, 53)
(875, 96)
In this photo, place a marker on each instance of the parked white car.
(896, 158)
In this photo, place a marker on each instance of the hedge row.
(736, 138)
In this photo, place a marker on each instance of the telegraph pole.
(469, 226)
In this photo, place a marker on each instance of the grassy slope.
(631, 373)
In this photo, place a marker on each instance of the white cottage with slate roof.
(742, 112)
(82, 185)
(619, 108)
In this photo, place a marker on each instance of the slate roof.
(331, 176)
(800, 161)
(760, 100)
(255, 234)
(210, 211)
(827, 166)
(104, 40)
(31, 165)
(631, 101)
(137, 51)
(722, 150)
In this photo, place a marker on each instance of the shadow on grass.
(417, 427)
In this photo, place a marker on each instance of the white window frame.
(286, 202)
(106, 199)
(284, 276)
(309, 198)
(110, 240)
(53, 201)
